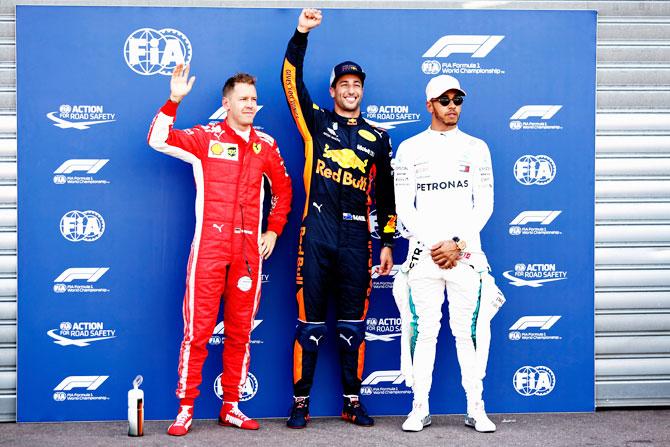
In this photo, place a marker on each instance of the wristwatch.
(460, 243)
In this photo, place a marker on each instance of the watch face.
(461, 244)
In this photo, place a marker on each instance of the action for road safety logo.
(81, 333)
(382, 329)
(534, 275)
(388, 117)
(80, 117)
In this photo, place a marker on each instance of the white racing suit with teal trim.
(444, 188)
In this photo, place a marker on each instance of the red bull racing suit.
(224, 257)
(345, 159)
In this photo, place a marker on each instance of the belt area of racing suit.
(418, 250)
(342, 229)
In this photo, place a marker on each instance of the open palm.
(180, 84)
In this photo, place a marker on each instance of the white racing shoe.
(477, 418)
(418, 418)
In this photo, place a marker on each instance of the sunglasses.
(444, 101)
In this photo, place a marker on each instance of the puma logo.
(233, 420)
(317, 206)
(218, 227)
(348, 340)
(316, 340)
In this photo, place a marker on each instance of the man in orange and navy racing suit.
(344, 158)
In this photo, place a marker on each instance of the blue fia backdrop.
(105, 223)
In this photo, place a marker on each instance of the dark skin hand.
(445, 254)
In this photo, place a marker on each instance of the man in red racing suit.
(230, 160)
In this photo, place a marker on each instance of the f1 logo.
(377, 377)
(89, 274)
(478, 46)
(90, 166)
(542, 112)
(541, 322)
(221, 113)
(394, 271)
(219, 329)
(89, 382)
(541, 217)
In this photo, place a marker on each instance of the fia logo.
(534, 381)
(87, 226)
(249, 389)
(148, 51)
(534, 170)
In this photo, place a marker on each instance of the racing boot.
(354, 412)
(299, 413)
(418, 418)
(477, 418)
(182, 423)
(231, 416)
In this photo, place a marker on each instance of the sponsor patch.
(244, 283)
(223, 151)
(367, 135)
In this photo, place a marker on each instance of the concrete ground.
(611, 428)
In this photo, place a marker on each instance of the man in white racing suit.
(444, 197)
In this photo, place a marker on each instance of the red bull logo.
(346, 158)
(341, 176)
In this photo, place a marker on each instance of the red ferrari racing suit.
(224, 257)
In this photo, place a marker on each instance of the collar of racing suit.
(253, 136)
(444, 133)
(348, 121)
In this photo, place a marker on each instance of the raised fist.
(309, 19)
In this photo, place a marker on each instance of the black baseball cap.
(346, 67)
